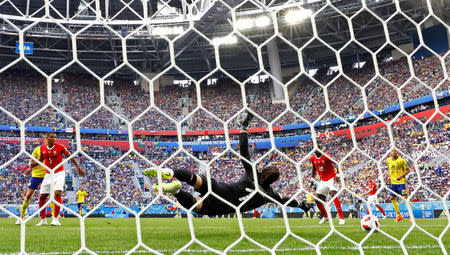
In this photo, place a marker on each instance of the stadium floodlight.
(245, 24)
(226, 40)
(296, 16)
(262, 21)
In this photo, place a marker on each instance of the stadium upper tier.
(78, 95)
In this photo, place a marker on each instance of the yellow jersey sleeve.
(309, 199)
(38, 171)
(404, 165)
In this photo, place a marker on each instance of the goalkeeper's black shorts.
(211, 204)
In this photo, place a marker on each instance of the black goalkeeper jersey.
(238, 192)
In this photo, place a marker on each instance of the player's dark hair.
(49, 134)
(268, 176)
(319, 153)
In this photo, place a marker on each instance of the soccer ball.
(369, 221)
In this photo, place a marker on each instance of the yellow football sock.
(25, 205)
(396, 208)
(52, 206)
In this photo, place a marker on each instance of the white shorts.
(372, 200)
(325, 186)
(59, 179)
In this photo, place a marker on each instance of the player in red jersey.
(329, 180)
(256, 214)
(52, 153)
(372, 199)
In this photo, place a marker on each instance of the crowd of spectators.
(25, 93)
(356, 167)
(260, 101)
(223, 98)
(81, 90)
(346, 99)
(22, 94)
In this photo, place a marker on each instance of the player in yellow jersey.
(37, 175)
(311, 202)
(398, 169)
(81, 194)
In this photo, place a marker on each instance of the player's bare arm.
(337, 179)
(29, 169)
(81, 171)
(368, 192)
(33, 163)
(313, 175)
(336, 168)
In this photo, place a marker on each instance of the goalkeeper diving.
(235, 193)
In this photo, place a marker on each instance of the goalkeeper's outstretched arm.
(294, 202)
(243, 145)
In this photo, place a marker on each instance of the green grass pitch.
(167, 235)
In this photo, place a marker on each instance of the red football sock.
(41, 204)
(57, 207)
(381, 209)
(338, 205)
(322, 209)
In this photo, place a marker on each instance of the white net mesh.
(331, 107)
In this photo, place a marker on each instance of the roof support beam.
(204, 55)
(113, 47)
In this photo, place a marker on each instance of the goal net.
(128, 85)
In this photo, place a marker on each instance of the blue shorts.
(80, 204)
(34, 182)
(400, 189)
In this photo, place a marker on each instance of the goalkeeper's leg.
(186, 199)
(209, 206)
(183, 175)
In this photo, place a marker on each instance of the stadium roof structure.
(146, 24)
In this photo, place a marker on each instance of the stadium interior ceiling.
(100, 45)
